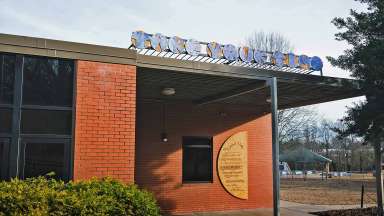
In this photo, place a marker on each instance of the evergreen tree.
(364, 31)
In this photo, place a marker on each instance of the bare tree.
(326, 134)
(293, 122)
(270, 42)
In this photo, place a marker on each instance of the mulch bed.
(348, 212)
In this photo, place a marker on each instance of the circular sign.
(155, 42)
(230, 52)
(164, 43)
(278, 59)
(159, 42)
(246, 54)
(176, 45)
(304, 62)
(140, 40)
(260, 57)
(214, 50)
(232, 165)
(193, 47)
(293, 60)
(316, 63)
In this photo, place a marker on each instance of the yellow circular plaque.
(232, 165)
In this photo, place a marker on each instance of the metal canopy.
(202, 88)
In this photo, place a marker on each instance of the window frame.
(34, 105)
(210, 147)
(24, 106)
(27, 131)
(8, 106)
(49, 141)
(16, 135)
(2, 55)
(10, 110)
(4, 165)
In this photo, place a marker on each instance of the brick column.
(105, 121)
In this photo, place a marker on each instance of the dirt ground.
(349, 212)
(334, 191)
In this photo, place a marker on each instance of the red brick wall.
(105, 121)
(159, 165)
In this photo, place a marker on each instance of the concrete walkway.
(287, 209)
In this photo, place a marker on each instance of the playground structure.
(302, 157)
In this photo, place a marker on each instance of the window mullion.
(16, 114)
(2, 76)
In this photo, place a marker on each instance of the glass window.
(46, 109)
(7, 77)
(5, 120)
(41, 158)
(47, 81)
(197, 159)
(46, 122)
(4, 152)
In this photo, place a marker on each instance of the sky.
(306, 24)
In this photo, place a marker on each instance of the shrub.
(41, 196)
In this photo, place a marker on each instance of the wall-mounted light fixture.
(164, 135)
(268, 100)
(165, 92)
(168, 91)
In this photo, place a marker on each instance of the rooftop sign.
(178, 45)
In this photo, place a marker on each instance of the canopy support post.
(275, 147)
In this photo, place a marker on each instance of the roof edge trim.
(65, 49)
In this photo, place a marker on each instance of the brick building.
(87, 111)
